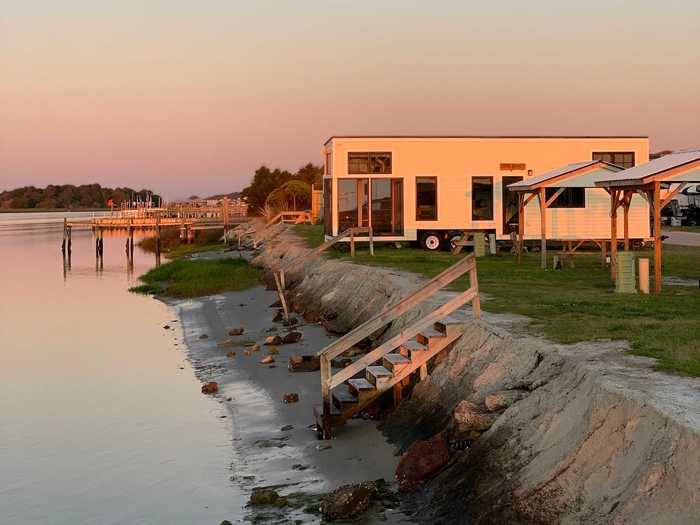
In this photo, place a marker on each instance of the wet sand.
(266, 455)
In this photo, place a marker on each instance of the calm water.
(101, 418)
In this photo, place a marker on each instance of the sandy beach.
(273, 442)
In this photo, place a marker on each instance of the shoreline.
(267, 453)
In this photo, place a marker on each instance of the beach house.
(430, 189)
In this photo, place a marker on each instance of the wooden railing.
(426, 291)
(294, 217)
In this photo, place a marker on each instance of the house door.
(511, 213)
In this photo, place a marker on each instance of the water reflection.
(101, 417)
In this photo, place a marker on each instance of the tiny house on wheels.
(432, 189)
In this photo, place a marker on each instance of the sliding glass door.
(385, 215)
(387, 207)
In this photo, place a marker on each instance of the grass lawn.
(172, 247)
(188, 278)
(692, 229)
(578, 304)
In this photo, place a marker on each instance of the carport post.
(613, 234)
(657, 236)
(543, 227)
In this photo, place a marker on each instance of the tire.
(431, 241)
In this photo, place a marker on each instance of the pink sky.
(191, 96)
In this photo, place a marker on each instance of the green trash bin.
(626, 278)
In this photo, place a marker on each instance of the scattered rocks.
(503, 399)
(236, 331)
(267, 360)
(204, 336)
(304, 363)
(278, 317)
(231, 354)
(273, 340)
(287, 428)
(266, 497)
(166, 327)
(293, 321)
(348, 501)
(210, 388)
(469, 417)
(291, 338)
(422, 460)
(292, 397)
(255, 348)
(226, 522)
(299, 467)
(228, 343)
(273, 350)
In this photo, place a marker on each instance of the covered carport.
(579, 175)
(658, 181)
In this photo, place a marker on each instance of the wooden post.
(603, 252)
(644, 276)
(657, 236)
(492, 243)
(521, 225)
(613, 234)
(158, 232)
(543, 227)
(280, 292)
(626, 213)
(352, 242)
(326, 396)
(474, 285)
(371, 243)
(65, 235)
(397, 394)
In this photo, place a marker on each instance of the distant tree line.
(295, 188)
(70, 196)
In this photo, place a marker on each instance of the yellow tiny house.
(430, 189)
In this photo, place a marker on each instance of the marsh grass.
(192, 278)
(577, 304)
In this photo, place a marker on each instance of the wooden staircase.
(390, 365)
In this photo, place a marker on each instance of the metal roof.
(586, 180)
(495, 137)
(637, 174)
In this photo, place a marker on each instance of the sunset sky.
(191, 96)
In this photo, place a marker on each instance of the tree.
(310, 174)
(264, 182)
(294, 191)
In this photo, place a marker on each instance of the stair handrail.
(425, 291)
(421, 294)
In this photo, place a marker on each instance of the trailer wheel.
(453, 240)
(431, 241)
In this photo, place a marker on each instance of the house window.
(328, 163)
(426, 199)
(387, 207)
(569, 198)
(328, 206)
(482, 198)
(353, 203)
(624, 159)
(363, 163)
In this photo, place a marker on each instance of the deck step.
(395, 362)
(378, 375)
(342, 396)
(336, 417)
(412, 349)
(448, 325)
(361, 388)
(426, 335)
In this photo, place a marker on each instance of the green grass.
(579, 304)
(311, 233)
(192, 278)
(692, 229)
(173, 248)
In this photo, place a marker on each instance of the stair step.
(448, 325)
(395, 362)
(426, 335)
(342, 396)
(377, 375)
(361, 388)
(412, 348)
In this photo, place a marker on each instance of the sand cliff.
(594, 436)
